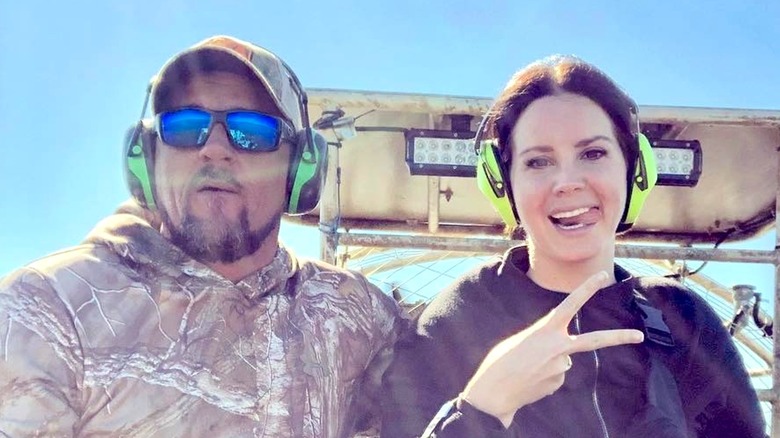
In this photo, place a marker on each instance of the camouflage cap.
(225, 53)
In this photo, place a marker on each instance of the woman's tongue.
(582, 218)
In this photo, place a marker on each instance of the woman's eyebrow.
(580, 144)
(586, 141)
(541, 149)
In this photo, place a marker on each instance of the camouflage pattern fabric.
(125, 335)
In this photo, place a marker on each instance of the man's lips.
(211, 179)
(217, 187)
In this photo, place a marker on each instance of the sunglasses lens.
(185, 127)
(251, 131)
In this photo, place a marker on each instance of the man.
(181, 314)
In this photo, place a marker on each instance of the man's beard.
(206, 242)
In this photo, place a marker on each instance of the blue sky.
(73, 76)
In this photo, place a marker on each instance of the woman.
(567, 165)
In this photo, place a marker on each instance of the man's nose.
(218, 145)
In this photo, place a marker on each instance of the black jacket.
(698, 387)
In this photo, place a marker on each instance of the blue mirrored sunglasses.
(249, 131)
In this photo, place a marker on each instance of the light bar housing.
(679, 162)
(441, 153)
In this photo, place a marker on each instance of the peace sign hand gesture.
(532, 364)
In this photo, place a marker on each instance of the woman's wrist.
(504, 416)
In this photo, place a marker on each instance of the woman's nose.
(568, 180)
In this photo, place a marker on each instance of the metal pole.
(329, 207)
(433, 204)
(493, 245)
(496, 230)
(776, 339)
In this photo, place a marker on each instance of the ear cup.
(307, 172)
(138, 164)
(493, 182)
(643, 181)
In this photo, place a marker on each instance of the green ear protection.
(493, 182)
(645, 175)
(305, 176)
(139, 165)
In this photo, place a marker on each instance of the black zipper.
(595, 396)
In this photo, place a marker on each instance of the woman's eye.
(594, 154)
(537, 163)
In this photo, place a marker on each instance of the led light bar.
(442, 153)
(448, 153)
(679, 162)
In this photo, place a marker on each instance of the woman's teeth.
(570, 213)
(571, 227)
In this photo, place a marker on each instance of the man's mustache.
(211, 174)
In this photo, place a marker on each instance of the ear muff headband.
(307, 172)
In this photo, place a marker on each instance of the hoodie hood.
(132, 233)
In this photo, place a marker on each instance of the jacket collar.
(515, 264)
(132, 233)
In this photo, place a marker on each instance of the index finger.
(569, 307)
(603, 339)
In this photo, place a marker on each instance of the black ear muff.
(306, 176)
(139, 164)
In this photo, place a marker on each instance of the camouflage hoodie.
(125, 335)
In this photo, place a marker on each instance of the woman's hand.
(532, 364)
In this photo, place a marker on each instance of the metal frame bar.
(500, 245)
(443, 104)
(775, 395)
